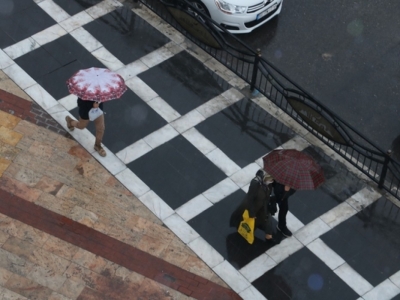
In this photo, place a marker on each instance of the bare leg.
(100, 127)
(81, 124)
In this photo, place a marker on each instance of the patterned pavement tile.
(356, 240)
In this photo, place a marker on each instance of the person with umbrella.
(94, 86)
(282, 193)
(293, 170)
(84, 108)
(256, 202)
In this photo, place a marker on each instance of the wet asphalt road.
(344, 53)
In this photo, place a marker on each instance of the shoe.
(69, 120)
(100, 150)
(273, 241)
(286, 232)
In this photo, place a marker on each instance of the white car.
(239, 16)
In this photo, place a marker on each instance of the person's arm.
(251, 196)
(271, 204)
(279, 191)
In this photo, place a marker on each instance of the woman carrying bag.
(256, 203)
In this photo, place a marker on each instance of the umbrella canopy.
(294, 168)
(96, 84)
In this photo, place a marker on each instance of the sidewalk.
(151, 219)
(70, 230)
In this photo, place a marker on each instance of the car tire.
(201, 7)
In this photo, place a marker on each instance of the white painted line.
(85, 39)
(193, 207)
(395, 278)
(297, 143)
(251, 293)
(161, 136)
(21, 48)
(353, 279)
(206, 252)
(167, 112)
(129, 72)
(182, 229)
(363, 198)
(199, 141)
(103, 8)
(245, 175)
(138, 86)
(134, 151)
(283, 250)
(132, 182)
(53, 10)
(217, 104)
(231, 276)
(188, 121)
(257, 267)
(49, 34)
(338, 214)
(386, 290)
(311, 231)
(158, 56)
(76, 21)
(111, 162)
(156, 205)
(41, 96)
(5, 60)
(223, 162)
(69, 102)
(108, 59)
(326, 254)
(19, 76)
(220, 190)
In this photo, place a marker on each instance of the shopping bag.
(246, 227)
(94, 113)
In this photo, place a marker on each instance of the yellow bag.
(246, 227)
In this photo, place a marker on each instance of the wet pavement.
(185, 140)
(345, 54)
(70, 230)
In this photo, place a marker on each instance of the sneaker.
(100, 149)
(68, 119)
(286, 232)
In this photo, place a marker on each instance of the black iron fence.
(263, 76)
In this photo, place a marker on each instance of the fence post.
(385, 168)
(255, 69)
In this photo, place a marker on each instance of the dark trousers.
(283, 210)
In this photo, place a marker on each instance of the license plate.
(267, 11)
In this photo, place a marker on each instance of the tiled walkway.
(69, 230)
(186, 139)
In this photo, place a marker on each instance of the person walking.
(256, 202)
(282, 193)
(84, 108)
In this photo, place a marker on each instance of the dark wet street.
(346, 54)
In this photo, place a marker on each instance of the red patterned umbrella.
(96, 84)
(294, 168)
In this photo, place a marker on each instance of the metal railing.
(263, 76)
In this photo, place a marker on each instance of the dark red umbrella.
(294, 168)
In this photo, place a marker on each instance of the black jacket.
(280, 193)
(256, 202)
